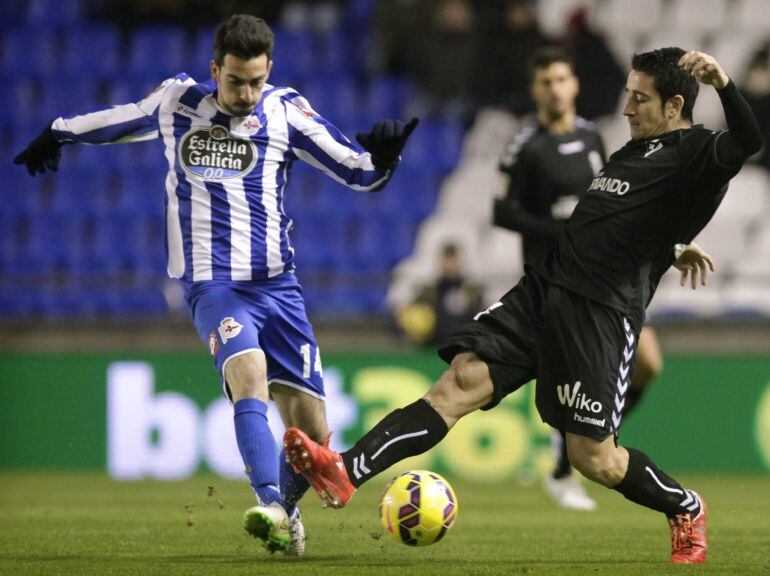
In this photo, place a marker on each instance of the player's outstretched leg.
(405, 432)
(638, 479)
(562, 484)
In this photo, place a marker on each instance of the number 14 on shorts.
(306, 351)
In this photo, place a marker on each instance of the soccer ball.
(418, 507)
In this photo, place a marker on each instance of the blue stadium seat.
(142, 194)
(201, 54)
(68, 96)
(337, 48)
(160, 51)
(295, 55)
(14, 13)
(84, 191)
(93, 157)
(42, 62)
(29, 193)
(19, 101)
(359, 13)
(131, 88)
(386, 97)
(91, 50)
(417, 186)
(54, 12)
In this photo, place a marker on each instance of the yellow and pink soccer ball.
(418, 508)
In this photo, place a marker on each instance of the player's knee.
(591, 466)
(463, 388)
(597, 464)
(246, 376)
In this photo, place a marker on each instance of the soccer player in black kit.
(574, 318)
(550, 163)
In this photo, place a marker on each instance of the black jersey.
(651, 194)
(548, 174)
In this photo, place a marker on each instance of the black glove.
(44, 151)
(386, 140)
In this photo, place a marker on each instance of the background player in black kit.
(550, 163)
(574, 318)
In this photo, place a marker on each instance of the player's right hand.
(43, 152)
(704, 68)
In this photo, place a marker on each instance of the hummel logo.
(359, 466)
(653, 147)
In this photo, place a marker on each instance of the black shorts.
(580, 351)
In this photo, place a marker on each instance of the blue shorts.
(233, 318)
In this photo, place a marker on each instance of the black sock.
(405, 432)
(647, 485)
(563, 465)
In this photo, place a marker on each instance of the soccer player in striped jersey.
(230, 143)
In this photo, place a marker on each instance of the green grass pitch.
(63, 523)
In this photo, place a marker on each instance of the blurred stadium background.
(100, 367)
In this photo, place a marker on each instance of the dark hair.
(669, 78)
(244, 36)
(543, 57)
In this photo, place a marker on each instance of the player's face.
(554, 89)
(644, 109)
(240, 82)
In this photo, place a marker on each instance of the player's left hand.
(386, 140)
(705, 68)
(695, 263)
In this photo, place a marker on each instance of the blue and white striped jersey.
(226, 174)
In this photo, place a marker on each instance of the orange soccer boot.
(688, 536)
(322, 467)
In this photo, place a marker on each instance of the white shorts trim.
(299, 387)
(235, 355)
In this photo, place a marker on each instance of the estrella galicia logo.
(210, 153)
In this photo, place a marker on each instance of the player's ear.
(269, 68)
(214, 70)
(674, 106)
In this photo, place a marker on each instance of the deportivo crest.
(211, 153)
(229, 329)
(252, 125)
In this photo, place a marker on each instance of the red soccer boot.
(688, 536)
(322, 467)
